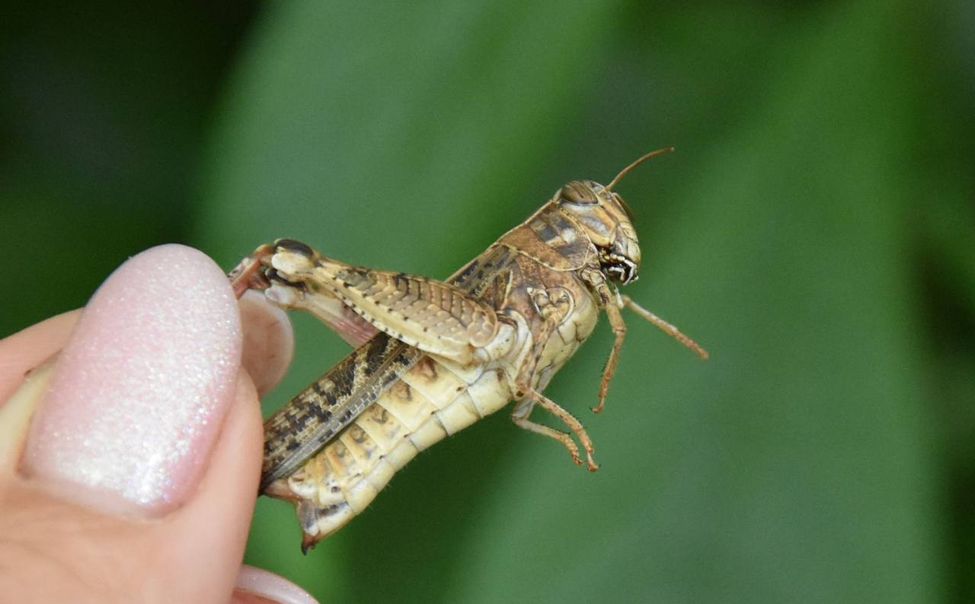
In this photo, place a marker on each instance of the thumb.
(143, 457)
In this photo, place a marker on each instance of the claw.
(307, 544)
(249, 273)
(593, 466)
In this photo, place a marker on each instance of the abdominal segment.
(427, 403)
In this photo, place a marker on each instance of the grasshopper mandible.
(433, 357)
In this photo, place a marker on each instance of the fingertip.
(15, 415)
(268, 341)
(28, 348)
(258, 586)
(141, 387)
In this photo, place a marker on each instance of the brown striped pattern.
(315, 416)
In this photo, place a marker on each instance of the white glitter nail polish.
(142, 387)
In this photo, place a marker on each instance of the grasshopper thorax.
(605, 220)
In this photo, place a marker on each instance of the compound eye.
(579, 192)
(625, 206)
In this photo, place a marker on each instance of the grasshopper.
(433, 357)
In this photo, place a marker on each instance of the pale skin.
(56, 550)
(41, 564)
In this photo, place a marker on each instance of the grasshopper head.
(606, 221)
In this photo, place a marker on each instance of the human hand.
(136, 478)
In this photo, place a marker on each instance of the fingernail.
(16, 412)
(140, 390)
(268, 341)
(257, 585)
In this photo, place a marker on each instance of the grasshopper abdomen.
(429, 402)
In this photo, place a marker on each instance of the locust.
(433, 357)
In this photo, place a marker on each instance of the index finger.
(30, 347)
(19, 354)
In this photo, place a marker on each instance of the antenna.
(632, 166)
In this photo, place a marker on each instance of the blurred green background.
(815, 230)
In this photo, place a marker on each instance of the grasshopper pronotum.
(433, 357)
